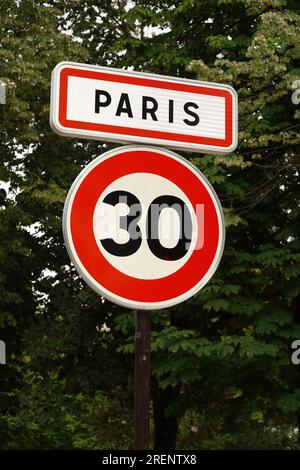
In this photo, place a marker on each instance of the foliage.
(227, 350)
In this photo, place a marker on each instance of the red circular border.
(85, 245)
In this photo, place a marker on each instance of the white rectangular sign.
(121, 106)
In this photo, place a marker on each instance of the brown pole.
(142, 380)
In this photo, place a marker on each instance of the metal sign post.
(142, 380)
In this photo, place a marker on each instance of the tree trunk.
(165, 426)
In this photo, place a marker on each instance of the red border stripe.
(103, 273)
(145, 82)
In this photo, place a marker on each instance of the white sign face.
(143, 227)
(120, 106)
(143, 263)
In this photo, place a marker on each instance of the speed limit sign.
(143, 227)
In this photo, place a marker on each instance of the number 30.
(130, 224)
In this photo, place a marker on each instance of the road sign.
(143, 227)
(123, 106)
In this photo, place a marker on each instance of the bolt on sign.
(132, 107)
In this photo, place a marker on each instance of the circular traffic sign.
(143, 227)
